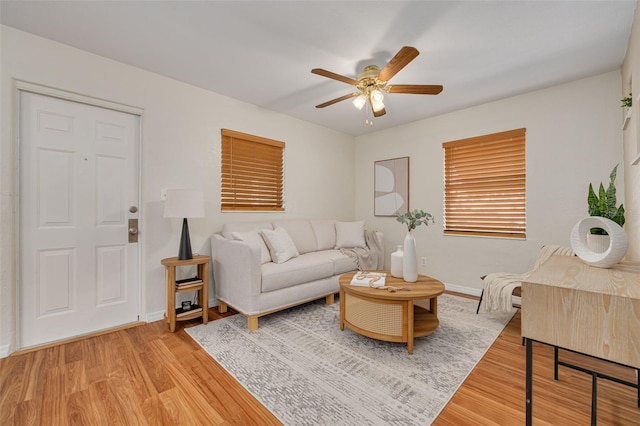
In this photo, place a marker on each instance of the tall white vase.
(410, 259)
(396, 263)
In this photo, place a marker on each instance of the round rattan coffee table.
(398, 316)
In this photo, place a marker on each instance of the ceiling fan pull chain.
(368, 117)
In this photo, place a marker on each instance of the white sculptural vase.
(618, 242)
(396, 263)
(410, 259)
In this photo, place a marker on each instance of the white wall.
(180, 149)
(631, 82)
(573, 138)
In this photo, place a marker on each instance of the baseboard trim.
(5, 351)
(154, 316)
(462, 289)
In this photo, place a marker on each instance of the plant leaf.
(618, 217)
(602, 200)
(592, 201)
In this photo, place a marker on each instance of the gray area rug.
(306, 371)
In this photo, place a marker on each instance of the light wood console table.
(594, 311)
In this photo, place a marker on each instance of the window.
(484, 185)
(252, 173)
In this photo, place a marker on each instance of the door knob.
(133, 209)
(133, 230)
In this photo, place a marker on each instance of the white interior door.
(78, 190)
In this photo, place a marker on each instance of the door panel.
(55, 281)
(78, 177)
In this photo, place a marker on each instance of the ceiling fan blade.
(334, 76)
(417, 89)
(402, 58)
(336, 100)
(379, 113)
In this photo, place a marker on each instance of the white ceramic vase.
(396, 263)
(410, 259)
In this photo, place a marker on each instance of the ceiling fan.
(373, 82)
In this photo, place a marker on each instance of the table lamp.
(184, 203)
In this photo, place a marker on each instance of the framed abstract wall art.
(391, 186)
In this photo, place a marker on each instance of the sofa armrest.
(237, 271)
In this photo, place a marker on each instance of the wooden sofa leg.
(222, 307)
(252, 322)
(330, 299)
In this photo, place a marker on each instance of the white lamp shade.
(359, 101)
(376, 100)
(184, 203)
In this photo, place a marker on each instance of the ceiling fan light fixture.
(377, 106)
(359, 101)
(376, 100)
(373, 81)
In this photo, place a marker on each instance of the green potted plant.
(626, 101)
(603, 204)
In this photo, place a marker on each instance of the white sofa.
(246, 278)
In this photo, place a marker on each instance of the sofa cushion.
(350, 234)
(341, 262)
(325, 232)
(302, 269)
(254, 237)
(228, 228)
(280, 244)
(301, 233)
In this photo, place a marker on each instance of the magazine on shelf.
(180, 312)
(188, 281)
(369, 279)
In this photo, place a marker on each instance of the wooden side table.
(173, 314)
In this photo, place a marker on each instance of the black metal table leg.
(480, 301)
(555, 362)
(594, 399)
(529, 381)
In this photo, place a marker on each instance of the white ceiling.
(262, 52)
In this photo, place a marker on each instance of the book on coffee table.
(369, 279)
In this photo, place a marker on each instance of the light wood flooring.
(147, 375)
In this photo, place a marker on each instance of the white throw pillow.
(256, 238)
(350, 234)
(280, 244)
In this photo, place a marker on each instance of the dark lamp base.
(185, 242)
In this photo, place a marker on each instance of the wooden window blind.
(484, 185)
(252, 172)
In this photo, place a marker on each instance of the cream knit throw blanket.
(499, 286)
(368, 258)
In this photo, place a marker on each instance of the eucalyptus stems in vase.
(415, 218)
(412, 219)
